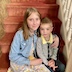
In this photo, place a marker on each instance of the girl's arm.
(55, 42)
(15, 55)
(36, 62)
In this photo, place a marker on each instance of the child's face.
(33, 21)
(45, 30)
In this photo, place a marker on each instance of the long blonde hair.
(25, 28)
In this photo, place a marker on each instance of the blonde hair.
(25, 28)
(47, 21)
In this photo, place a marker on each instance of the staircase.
(14, 20)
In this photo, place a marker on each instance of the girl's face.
(33, 21)
(45, 30)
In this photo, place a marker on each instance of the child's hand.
(54, 67)
(51, 63)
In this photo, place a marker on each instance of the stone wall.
(3, 14)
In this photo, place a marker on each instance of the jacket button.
(24, 44)
(27, 53)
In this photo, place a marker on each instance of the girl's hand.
(56, 42)
(36, 62)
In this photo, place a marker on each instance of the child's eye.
(47, 29)
(41, 29)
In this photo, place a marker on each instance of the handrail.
(67, 9)
(67, 15)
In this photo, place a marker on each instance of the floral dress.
(25, 68)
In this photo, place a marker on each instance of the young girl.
(44, 50)
(24, 43)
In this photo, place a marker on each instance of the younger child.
(44, 49)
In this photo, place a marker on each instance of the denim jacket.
(20, 48)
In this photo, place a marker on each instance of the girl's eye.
(30, 19)
(37, 19)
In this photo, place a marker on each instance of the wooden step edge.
(32, 4)
(4, 61)
(9, 36)
(56, 20)
(19, 20)
(37, 2)
(3, 69)
(47, 2)
(11, 28)
(13, 20)
(6, 40)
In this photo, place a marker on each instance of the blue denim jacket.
(20, 48)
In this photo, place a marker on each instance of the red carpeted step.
(12, 23)
(14, 20)
(3, 69)
(18, 9)
(4, 61)
(5, 42)
(37, 1)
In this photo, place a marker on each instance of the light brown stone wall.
(3, 14)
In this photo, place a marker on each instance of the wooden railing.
(67, 12)
(65, 15)
(66, 18)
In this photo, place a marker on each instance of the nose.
(44, 31)
(34, 22)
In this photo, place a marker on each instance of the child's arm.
(54, 53)
(55, 49)
(40, 52)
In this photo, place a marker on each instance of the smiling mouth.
(44, 34)
(34, 26)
